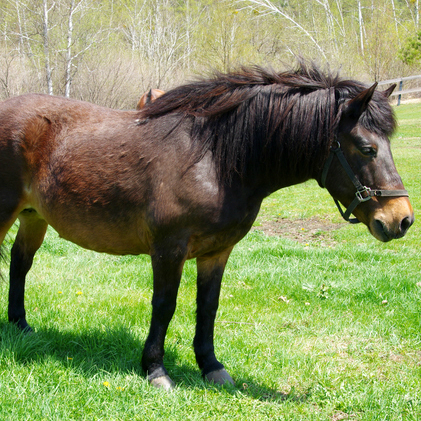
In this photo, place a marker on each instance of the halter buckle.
(364, 190)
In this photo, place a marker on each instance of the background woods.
(108, 52)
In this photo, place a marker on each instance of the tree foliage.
(411, 53)
(110, 52)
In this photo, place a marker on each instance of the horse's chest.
(222, 234)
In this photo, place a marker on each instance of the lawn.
(317, 321)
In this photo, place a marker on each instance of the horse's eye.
(369, 151)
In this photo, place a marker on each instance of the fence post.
(400, 89)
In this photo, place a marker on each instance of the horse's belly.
(107, 244)
(102, 235)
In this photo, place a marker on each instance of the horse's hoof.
(23, 326)
(220, 377)
(163, 382)
(27, 330)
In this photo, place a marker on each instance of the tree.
(269, 7)
(111, 51)
(55, 33)
(46, 9)
(410, 54)
(158, 36)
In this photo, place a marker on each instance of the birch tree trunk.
(361, 26)
(68, 71)
(46, 42)
(396, 21)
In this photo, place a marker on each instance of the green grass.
(309, 330)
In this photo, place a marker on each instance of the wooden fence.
(400, 81)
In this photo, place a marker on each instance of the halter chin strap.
(363, 193)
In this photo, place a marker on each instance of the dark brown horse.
(149, 97)
(185, 177)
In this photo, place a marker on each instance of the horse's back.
(37, 131)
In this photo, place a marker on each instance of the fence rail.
(400, 90)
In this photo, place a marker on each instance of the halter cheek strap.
(363, 193)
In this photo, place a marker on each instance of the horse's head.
(360, 172)
(149, 97)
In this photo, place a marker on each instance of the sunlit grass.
(308, 330)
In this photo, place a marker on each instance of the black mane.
(255, 116)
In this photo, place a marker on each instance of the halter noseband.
(363, 193)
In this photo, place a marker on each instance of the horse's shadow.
(114, 351)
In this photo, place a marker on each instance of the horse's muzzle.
(385, 231)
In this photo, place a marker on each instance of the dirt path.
(301, 230)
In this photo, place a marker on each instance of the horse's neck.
(272, 177)
(259, 185)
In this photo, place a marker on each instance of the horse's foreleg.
(167, 268)
(28, 240)
(209, 276)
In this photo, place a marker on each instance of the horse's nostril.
(406, 223)
(380, 228)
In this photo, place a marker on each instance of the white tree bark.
(75, 9)
(395, 19)
(155, 35)
(68, 71)
(46, 43)
(361, 26)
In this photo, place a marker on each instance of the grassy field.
(321, 323)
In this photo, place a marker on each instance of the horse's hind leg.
(209, 276)
(28, 240)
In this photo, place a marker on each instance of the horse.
(149, 97)
(184, 178)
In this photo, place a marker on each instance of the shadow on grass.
(111, 350)
(115, 350)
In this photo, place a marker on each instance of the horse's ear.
(149, 97)
(389, 90)
(356, 106)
